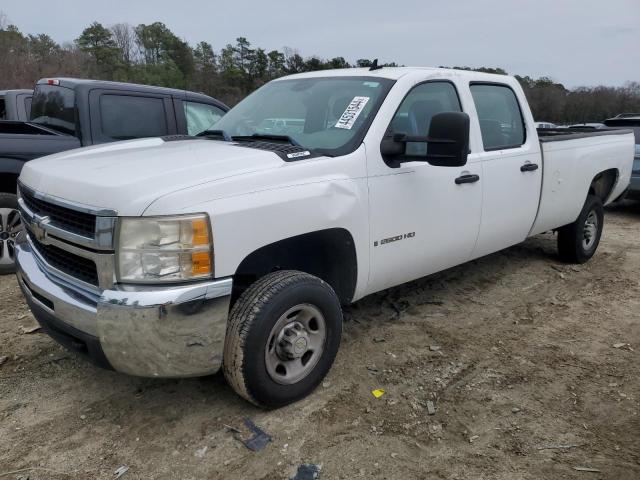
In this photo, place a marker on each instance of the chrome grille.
(69, 263)
(73, 221)
(72, 240)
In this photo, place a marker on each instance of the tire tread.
(242, 317)
(569, 241)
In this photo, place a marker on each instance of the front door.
(422, 218)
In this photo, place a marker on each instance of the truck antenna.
(375, 66)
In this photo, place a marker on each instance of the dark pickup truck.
(69, 113)
(15, 104)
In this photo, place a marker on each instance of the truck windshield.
(54, 107)
(330, 115)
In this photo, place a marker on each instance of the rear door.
(121, 115)
(511, 163)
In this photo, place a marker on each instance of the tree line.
(152, 54)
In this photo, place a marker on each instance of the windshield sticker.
(306, 153)
(352, 113)
(371, 84)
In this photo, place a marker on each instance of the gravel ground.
(531, 367)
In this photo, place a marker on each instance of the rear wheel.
(10, 226)
(578, 241)
(283, 335)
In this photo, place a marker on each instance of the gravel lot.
(517, 352)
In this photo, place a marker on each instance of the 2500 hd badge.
(397, 238)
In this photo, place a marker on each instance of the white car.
(545, 125)
(588, 126)
(174, 257)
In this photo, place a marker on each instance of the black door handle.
(467, 179)
(529, 167)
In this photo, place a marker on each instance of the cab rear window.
(55, 107)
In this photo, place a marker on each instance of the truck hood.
(128, 176)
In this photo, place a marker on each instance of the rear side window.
(501, 122)
(201, 117)
(3, 113)
(418, 108)
(125, 117)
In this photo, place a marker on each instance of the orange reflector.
(200, 232)
(200, 263)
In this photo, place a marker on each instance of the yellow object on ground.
(378, 392)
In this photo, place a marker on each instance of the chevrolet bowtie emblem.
(37, 227)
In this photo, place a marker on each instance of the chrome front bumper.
(175, 331)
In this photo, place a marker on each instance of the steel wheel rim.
(295, 344)
(590, 230)
(10, 227)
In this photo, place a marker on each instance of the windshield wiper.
(268, 136)
(216, 133)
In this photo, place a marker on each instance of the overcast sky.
(577, 42)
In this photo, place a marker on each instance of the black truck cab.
(68, 113)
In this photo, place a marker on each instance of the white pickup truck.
(176, 256)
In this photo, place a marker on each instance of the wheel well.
(603, 183)
(328, 254)
(8, 182)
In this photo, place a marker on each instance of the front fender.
(242, 225)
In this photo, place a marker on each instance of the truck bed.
(571, 159)
(15, 127)
(24, 141)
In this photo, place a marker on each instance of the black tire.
(7, 201)
(250, 325)
(571, 238)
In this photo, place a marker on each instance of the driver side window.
(418, 108)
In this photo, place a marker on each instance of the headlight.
(164, 249)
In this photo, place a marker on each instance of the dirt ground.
(518, 352)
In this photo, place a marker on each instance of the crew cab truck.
(15, 104)
(176, 257)
(69, 113)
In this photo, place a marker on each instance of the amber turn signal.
(200, 263)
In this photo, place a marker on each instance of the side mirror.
(448, 140)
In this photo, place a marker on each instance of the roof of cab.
(395, 73)
(76, 83)
(15, 91)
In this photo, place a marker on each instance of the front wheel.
(10, 226)
(282, 338)
(578, 241)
